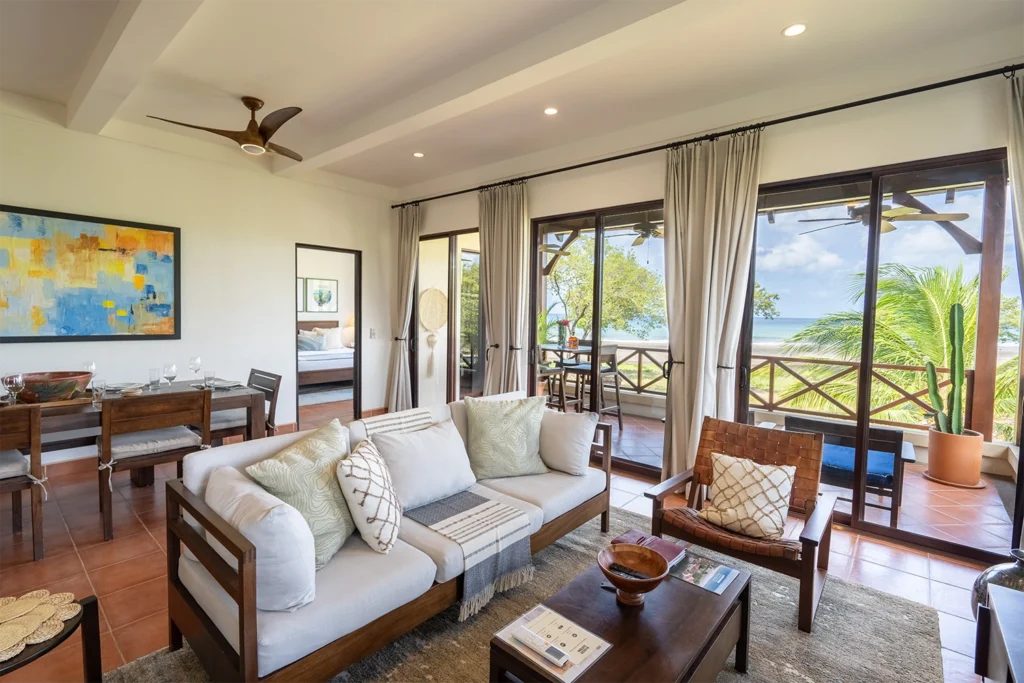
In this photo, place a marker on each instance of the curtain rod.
(1007, 71)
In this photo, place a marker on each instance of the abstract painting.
(65, 277)
(321, 295)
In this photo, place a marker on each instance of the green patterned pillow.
(504, 437)
(303, 475)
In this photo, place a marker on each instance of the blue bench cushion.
(837, 462)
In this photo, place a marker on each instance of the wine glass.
(14, 384)
(195, 364)
(90, 367)
(170, 372)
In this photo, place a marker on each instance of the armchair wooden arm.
(819, 521)
(672, 485)
(603, 448)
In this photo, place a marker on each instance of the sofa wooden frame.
(187, 620)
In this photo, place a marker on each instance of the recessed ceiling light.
(794, 30)
(418, 155)
(550, 111)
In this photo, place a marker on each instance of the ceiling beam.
(601, 33)
(137, 34)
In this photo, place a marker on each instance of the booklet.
(583, 647)
(672, 552)
(704, 573)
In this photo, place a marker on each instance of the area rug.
(330, 396)
(860, 634)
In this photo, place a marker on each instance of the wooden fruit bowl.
(46, 387)
(652, 566)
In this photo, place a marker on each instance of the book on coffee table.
(705, 573)
(582, 647)
(670, 551)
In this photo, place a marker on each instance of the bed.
(322, 367)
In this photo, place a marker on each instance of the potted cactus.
(954, 453)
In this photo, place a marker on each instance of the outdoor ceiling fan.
(645, 231)
(255, 139)
(910, 209)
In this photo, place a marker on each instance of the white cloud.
(803, 252)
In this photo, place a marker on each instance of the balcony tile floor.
(129, 573)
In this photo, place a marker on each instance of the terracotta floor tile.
(954, 573)
(843, 542)
(957, 668)
(131, 604)
(951, 600)
(65, 664)
(957, 634)
(128, 573)
(889, 580)
(892, 556)
(118, 550)
(839, 566)
(27, 577)
(91, 535)
(19, 551)
(143, 636)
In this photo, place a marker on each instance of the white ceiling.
(465, 81)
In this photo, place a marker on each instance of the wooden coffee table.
(681, 633)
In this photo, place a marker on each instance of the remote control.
(540, 646)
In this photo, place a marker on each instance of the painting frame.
(176, 235)
(334, 297)
(300, 291)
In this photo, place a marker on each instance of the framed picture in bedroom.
(321, 295)
(68, 277)
(300, 294)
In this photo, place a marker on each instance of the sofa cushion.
(438, 413)
(427, 465)
(446, 553)
(555, 492)
(356, 587)
(458, 414)
(747, 497)
(302, 475)
(366, 484)
(565, 441)
(504, 437)
(285, 556)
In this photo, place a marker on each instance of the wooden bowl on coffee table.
(650, 567)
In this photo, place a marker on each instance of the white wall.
(963, 118)
(239, 226)
(329, 265)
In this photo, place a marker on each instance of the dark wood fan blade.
(275, 119)
(234, 135)
(829, 227)
(968, 242)
(284, 151)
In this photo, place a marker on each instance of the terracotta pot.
(955, 458)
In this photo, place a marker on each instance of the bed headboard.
(308, 325)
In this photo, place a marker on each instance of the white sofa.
(363, 599)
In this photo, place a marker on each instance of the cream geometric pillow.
(371, 496)
(749, 498)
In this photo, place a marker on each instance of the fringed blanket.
(495, 540)
(398, 423)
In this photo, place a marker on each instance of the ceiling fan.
(645, 231)
(255, 139)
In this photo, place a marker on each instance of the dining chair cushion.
(228, 419)
(302, 475)
(285, 552)
(585, 368)
(426, 465)
(504, 437)
(366, 483)
(13, 464)
(565, 441)
(133, 445)
(749, 498)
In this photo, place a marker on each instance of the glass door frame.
(856, 518)
(452, 350)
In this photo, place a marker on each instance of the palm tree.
(911, 327)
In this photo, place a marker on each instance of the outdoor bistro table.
(67, 418)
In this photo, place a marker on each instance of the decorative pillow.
(313, 343)
(565, 441)
(504, 437)
(285, 556)
(332, 335)
(308, 333)
(371, 497)
(427, 465)
(348, 336)
(749, 498)
(302, 475)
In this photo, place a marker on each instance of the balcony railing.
(777, 383)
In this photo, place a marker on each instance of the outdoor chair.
(805, 559)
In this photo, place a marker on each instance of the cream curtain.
(399, 380)
(1015, 152)
(504, 260)
(710, 210)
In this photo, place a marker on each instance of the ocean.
(765, 331)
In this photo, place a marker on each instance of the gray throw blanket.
(495, 541)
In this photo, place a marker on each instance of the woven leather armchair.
(805, 559)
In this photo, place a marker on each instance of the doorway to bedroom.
(327, 334)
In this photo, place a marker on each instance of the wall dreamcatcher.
(433, 317)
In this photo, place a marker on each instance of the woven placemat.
(32, 619)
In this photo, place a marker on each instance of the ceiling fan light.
(250, 148)
(793, 30)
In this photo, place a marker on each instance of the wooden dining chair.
(805, 559)
(608, 364)
(144, 431)
(234, 422)
(20, 432)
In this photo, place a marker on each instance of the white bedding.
(332, 359)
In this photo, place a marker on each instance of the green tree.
(1009, 320)
(765, 303)
(469, 307)
(633, 296)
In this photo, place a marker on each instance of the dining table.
(80, 420)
